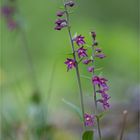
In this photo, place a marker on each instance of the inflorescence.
(99, 83)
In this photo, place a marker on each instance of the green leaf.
(62, 7)
(100, 74)
(71, 12)
(88, 135)
(98, 69)
(91, 58)
(75, 35)
(86, 77)
(87, 45)
(75, 108)
(101, 115)
(69, 54)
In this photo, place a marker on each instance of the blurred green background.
(116, 24)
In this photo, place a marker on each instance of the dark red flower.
(79, 40)
(60, 13)
(89, 119)
(12, 24)
(7, 11)
(90, 69)
(98, 50)
(60, 23)
(101, 82)
(86, 61)
(70, 3)
(100, 55)
(70, 63)
(82, 52)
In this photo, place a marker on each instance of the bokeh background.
(30, 113)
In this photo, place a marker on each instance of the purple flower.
(70, 3)
(86, 61)
(90, 69)
(7, 11)
(98, 50)
(70, 63)
(104, 99)
(60, 13)
(79, 40)
(12, 24)
(82, 52)
(104, 94)
(100, 55)
(101, 82)
(60, 23)
(89, 119)
(104, 102)
(93, 35)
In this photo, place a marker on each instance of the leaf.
(62, 7)
(88, 135)
(75, 35)
(98, 69)
(86, 77)
(69, 54)
(80, 60)
(101, 115)
(91, 58)
(100, 74)
(75, 108)
(87, 45)
(71, 12)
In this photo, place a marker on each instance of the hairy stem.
(95, 100)
(77, 68)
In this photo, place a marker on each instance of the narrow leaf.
(101, 115)
(100, 74)
(75, 108)
(98, 69)
(75, 35)
(86, 77)
(91, 58)
(69, 54)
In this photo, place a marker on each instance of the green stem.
(27, 53)
(77, 68)
(95, 100)
(29, 60)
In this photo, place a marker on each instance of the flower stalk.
(95, 95)
(76, 64)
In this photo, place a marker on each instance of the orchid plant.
(80, 55)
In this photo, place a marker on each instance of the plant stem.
(29, 60)
(27, 52)
(95, 100)
(77, 68)
(124, 123)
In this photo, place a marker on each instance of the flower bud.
(93, 35)
(60, 13)
(70, 3)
